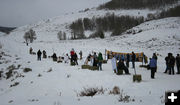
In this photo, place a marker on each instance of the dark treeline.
(110, 22)
(136, 4)
(6, 29)
(173, 12)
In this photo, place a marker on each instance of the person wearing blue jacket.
(153, 65)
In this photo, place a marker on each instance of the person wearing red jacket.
(72, 53)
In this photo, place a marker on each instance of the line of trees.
(173, 12)
(61, 35)
(136, 4)
(110, 22)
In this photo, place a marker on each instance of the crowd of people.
(95, 60)
(117, 63)
(170, 63)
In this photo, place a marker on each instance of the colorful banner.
(140, 57)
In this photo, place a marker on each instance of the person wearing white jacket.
(114, 64)
(66, 59)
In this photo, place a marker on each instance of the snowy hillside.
(52, 26)
(51, 83)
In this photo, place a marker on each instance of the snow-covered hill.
(1, 34)
(61, 85)
(52, 26)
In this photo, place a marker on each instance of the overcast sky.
(21, 12)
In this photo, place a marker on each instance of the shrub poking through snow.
(9, 74)
(12, 67)
(91, 91)
(11, 71)
(115, 90)
(124, 97)
(27, 70)
(15, 84)
(39, 75)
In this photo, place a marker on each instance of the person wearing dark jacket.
(30, 50)
(178, 63)
(75, 58)
(155, 57)
(44, 54)
(72, 52)
(153, 65)
(121, 66)
(54, 56)
(133, 59)
(100, 60)
(80, 54)
(95, 59)
(39, 55)
(167, 59)
(171, 64)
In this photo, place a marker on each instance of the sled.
(137, 78)
(85, 66)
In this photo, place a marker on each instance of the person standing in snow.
(114, 64)
(66, 59)
(80, 53)
(75, 58)
(44, 54)
(39, 55)
(54, 56)
(95, 59)
(171, 64)
(153, 65)
(178, 63)
(127, 60)
(30, 50)
(91, 60)
(167, 59)
(100, 60)
(155, 57)
(72, 55)
(133, 59)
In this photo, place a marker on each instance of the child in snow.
(114, 64)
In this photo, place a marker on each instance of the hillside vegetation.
(110, 22)
(173, 12)
(136, 4)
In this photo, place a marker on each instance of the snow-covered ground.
(1, 34)
(61, 85)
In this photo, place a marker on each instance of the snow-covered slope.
(50, 27)
(1, 34)
(61, 85)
